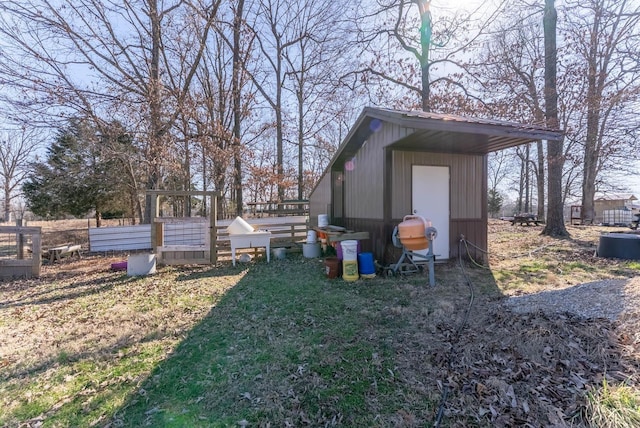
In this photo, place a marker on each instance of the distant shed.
(609, 202)
(394, 163)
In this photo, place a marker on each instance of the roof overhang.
(443, 133)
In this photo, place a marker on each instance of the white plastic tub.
(280, 253)
(141, 264)
(311, 251)
(239, 226)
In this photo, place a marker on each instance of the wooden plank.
(20, 229)
(182, 220)
(213, 231)
(172, 258)
(183, 248)
(5, 263)
(347, 236)
(36, 254)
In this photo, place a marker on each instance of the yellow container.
(350, 270)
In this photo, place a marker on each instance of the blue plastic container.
(365, 264)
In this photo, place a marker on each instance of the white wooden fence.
(138, 237)
(122, 238)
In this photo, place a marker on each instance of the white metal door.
(430, 199)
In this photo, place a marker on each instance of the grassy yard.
(279, 344)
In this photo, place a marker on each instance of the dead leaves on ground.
(525, 370)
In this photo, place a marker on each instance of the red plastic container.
(332, 267)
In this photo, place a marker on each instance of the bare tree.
(606, 38)
(223, 101)
(511, 71)
(411, 42)
(17, 149)
(274, 23)
(213, 115)
(313, 66)
(109, 59)
(555, 214)
(238, 80)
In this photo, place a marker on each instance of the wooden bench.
(57, 253)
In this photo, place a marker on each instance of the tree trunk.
(187, 176)
(237, 107)
(540, 181)
(300, 142)
(153, 88)
(591, 140)
(7, 201)
(555, 215)
(527, 179)
(520, 205)
(425, 46)
(279, 144)
(205, 185)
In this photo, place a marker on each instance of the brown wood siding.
(475, 232)
(337, 197)
(466, 181)
(378, 236)
(364, 184)
(320, 199)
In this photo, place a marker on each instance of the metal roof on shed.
(441, 133)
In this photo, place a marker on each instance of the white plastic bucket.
(312, 237)
(280, 253)
(349, 250)
(239, 226)
(141, 264)
(311, 251)
(323, 220)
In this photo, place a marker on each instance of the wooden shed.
(395, 163)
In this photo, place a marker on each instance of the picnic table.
(525, 219)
